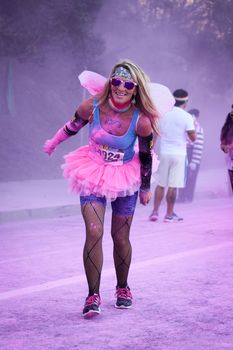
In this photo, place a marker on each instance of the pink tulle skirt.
(90, 174)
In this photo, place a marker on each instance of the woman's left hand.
(225, 148)
(144, 197)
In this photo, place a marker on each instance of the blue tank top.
(124, 143)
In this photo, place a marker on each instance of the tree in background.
(44, 45)
(32, 30)
(194, 37)
(206, 26)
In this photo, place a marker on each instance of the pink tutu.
(90, 174)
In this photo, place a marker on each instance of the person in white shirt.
(175, 126)
(194, 156)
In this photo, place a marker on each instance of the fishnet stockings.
(93, 214)
(122, 251)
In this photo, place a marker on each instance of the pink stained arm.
(71, 128)
(50, 145)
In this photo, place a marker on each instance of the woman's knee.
(120, 240)
(94, 232)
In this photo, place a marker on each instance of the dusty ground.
(181, 279)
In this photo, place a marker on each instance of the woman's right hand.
(49, 147)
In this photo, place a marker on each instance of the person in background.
(175, 126)
(109, 169)
(226, 139)
(194, 156)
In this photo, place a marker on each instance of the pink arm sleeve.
(69, 129)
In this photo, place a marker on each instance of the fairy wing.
(93, 82)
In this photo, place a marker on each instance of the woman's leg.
(122, 251)
(123, 211)
(93, 210)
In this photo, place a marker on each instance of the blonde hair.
(143, 100)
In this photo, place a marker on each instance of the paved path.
(36, 199)
(181, 279)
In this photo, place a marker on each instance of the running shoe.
(172, 218)
(154, 216)
(124, 298)
(92, 306)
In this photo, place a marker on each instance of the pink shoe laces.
(123, 293)
(93, 299)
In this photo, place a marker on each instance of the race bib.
(110, 155)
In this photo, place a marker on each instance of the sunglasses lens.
(116, 82)
(129, 85)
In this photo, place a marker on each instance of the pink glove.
(72, 127)
(50, 145)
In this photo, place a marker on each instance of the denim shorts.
(120, 206)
